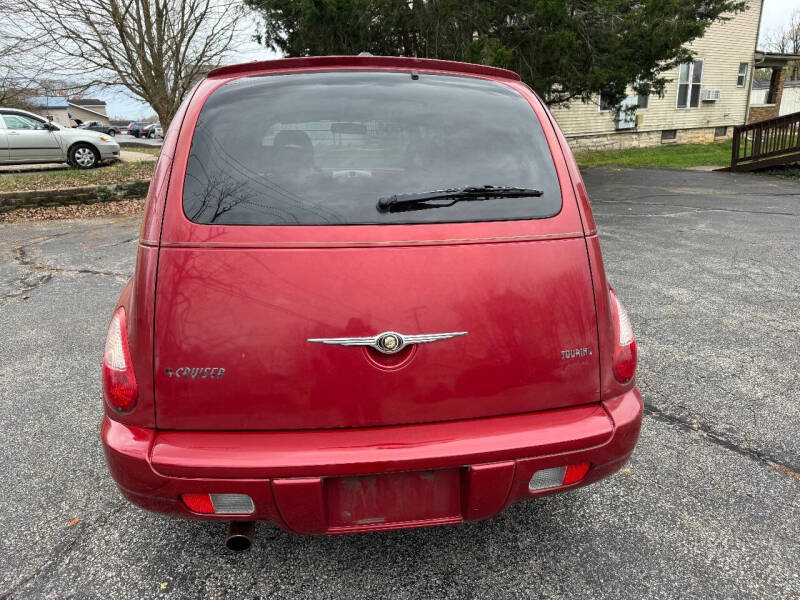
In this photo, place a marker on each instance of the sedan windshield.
(321, 148)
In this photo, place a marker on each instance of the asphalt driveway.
(709, 506)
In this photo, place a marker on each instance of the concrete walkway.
(133, 156)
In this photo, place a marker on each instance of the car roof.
(363, 61)
(19, 111)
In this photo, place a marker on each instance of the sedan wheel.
(83, 156)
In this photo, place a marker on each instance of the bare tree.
(157, 49)
(786, 41)
(15, 70)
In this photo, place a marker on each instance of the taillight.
(119, 382)
(625, 357)
(219, 504)
(557, 476)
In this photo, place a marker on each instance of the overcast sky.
(775, 14)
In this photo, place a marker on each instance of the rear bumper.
(296, 478)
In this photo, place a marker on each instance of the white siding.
(724, 46)
(758, 97)
(60, 115)
(790, 101)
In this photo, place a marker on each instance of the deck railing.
(766, 143)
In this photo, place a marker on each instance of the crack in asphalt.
(45, 272)
(125, 241)
(62, 550)
(20, 255)
(792, 471)
(24, 285)
(42, 273)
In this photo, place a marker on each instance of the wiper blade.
(406, 202)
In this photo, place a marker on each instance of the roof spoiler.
(363, 61)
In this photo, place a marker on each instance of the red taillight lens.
(575, 473)
(625, 355)
(199, 503)
(119, 382)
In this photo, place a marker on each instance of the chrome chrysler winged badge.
(388, 342)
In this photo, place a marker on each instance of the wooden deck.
(766, 144)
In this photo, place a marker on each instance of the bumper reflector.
(232, 504)
(219, 504)
(557, 476)
(547, 478)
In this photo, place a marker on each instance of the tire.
(151, 135)
(83, 156)
(112, 132)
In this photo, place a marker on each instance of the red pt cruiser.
(369, 295)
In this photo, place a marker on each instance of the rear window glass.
(323, 148)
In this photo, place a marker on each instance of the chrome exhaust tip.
(239, 536)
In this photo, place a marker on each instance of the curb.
(77, 195)
(127, 144)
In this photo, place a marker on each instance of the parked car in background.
(153, 131)
(98, 126)
(376, 308)
(27, 138)
(136, 128)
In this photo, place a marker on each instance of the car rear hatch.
(274, 241)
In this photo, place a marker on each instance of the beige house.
(68, 112)
(703, 101)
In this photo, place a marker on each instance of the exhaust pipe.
(239, 536)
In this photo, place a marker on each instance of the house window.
(641, 101)
(721, 131)
(689, 80)
(643, 97)
(605, 103)
(669, 134)
(740, 79)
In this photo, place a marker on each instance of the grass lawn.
(119, 172)
(669, 156)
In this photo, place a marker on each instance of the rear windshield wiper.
(407, 202)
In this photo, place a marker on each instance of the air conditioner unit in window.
(711, 95)
(623, 121)
(625, 118)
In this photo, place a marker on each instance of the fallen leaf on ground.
(116, 208)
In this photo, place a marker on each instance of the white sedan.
(28, 138)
